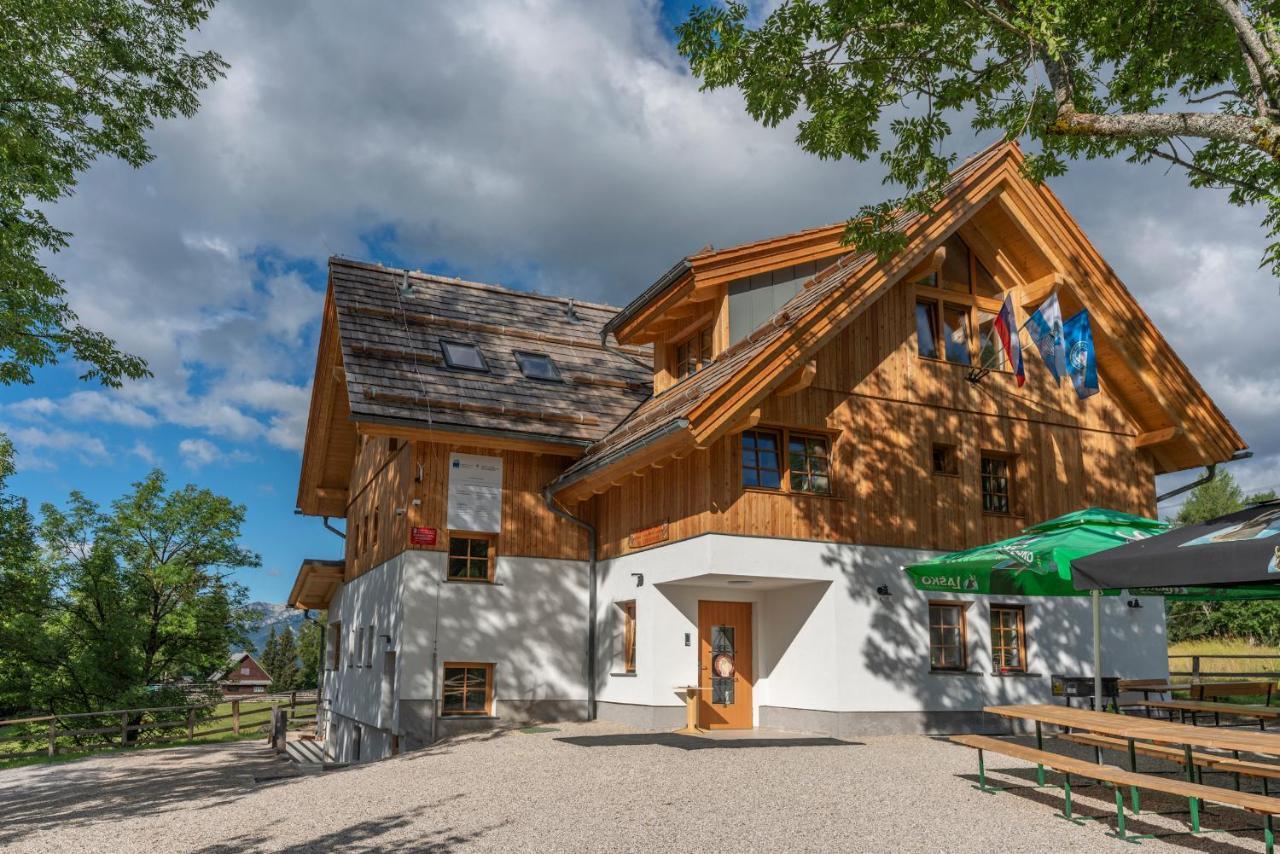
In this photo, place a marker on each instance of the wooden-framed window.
(335, 646)
(786, 460)
(1008, 639)
(997, 473)
(467, 688)
(694, 353)
(945, 460)
(373, 537)
(471, 557)
(951, 303)
(628, 611)
(762, 459)
(948, 636)
(809, 463)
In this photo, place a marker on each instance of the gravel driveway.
(585, 787)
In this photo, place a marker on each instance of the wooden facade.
(884, 407)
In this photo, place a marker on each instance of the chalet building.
(558, 510)
(243, 676)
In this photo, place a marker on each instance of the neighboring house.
(555, 509)
(244, 676)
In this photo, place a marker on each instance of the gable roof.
(703, 407)
(381, 342)
(236, 658)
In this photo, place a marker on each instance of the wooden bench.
(1210, 690)
(1196, 708)
(1145, 687)
(1263, 805)
(1211, 761)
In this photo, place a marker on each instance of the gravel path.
(585, 787)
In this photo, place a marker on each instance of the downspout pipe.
(1209, 473)
(554, 507)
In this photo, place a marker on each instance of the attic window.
(466, 357)
(538, 366)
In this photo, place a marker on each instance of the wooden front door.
(724, 674)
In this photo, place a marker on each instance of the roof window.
(538, 366)
(466, 357)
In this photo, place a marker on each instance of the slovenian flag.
(1007, 329)
(1082, 361)
(1045, 326)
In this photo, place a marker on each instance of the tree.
(79, 79)
(21, 590)
(1193, 83)
(270, 660)
(310, 650)
(1257, 621)
(123, 601)
(285, 676)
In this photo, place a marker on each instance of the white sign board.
(475, 493)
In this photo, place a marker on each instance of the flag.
(1082, 360)
(1007, 329)
(1045, 327)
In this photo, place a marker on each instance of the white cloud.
(197, 453)
(143, 451)
(46, 448)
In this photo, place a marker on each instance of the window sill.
(937, 672)
(1017, 674)
(479, 582)
(788, 494)
(624, 674)
(444, 717)
(938, 361)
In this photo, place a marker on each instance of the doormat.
(536, 730)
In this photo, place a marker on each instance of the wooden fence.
(1199, 670)
(92, 731)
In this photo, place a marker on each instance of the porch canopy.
(1236, 556)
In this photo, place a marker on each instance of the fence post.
(124, 728)
(293, 699)
(1195, 667)
(191, 723)
(53, 736)
(235, 717)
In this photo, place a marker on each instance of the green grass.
(254, 719)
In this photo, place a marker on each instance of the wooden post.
(235, 717)
(293, 699)
(1195, 668)
(124, 728)
(53, 737)
(191, 723)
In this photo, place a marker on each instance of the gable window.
(694, 353)
(946, 460)
(628, 610)
(997, 484)
(466, 357)
(951, 303)
(809, 463)
(468, 689)
(1008, 639)
(245, 671)
(538, 366)
(947, 636)
(761, 460)
(470, 558)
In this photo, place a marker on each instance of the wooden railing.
(115, 728)
(1198, 669)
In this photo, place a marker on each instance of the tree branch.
(1251, 43)
(1177, 160)
(1257, 133)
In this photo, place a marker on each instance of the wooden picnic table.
(1208, 707)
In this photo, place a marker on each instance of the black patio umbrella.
(1240, 548)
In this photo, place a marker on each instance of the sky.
(550, 145)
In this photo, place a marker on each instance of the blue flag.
(1045, 327)
(1082, 360)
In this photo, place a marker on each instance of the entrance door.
(724, 641)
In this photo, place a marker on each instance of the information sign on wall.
(475, 493)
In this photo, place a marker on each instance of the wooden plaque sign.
(422, 536)
(648, 536)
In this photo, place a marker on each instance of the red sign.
(423, 536)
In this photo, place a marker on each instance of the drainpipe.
(1209, 474)
(555, 508)
(329, 527)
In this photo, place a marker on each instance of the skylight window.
(538, 366)
(466, 357)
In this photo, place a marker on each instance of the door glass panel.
(722, 665)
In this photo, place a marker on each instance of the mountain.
(268, 614)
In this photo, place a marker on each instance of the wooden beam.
(1157, 437)
(752, 419)
(475, 440)
(1037, 291)
(799, 381)
(929, 266)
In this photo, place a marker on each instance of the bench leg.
(1269, 835)
(1217, 719)
(982, 776)
(1039, 746)
(1120, 827)
(1133, 790)
(1236, 755)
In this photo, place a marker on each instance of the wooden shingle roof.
(391, 324)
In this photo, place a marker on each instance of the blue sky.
(559, 146)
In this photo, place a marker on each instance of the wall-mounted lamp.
(386, 639)
(399, 511)
(417, 502)
(639, 577)
(1134, 603)
(883, 590)
(418, 477)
